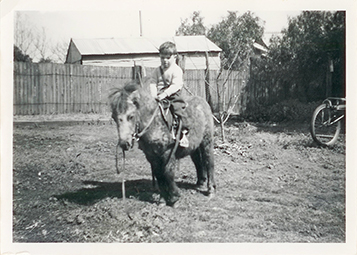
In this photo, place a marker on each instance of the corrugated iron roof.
(138, 45)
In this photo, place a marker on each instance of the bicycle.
(326, 120)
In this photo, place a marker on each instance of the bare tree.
(59, 51)
(225, 110)
(24, 35)
(41, 44)
(235, 35)
(35, 42)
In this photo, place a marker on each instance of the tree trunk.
(207, 80)
(221, 124)
(220, 116)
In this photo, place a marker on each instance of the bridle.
(135, 136)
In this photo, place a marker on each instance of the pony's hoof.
(211, 192)
(211, 195)
(201, 187)
(159, 200)
(161, 204)
(172, 202)
(175, 205)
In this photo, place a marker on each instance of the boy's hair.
(168, 48)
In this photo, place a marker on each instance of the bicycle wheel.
(324, 130)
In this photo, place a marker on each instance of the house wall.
(73, 55)
(147, 60)
(197, 61)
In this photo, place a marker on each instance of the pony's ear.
(135, 98)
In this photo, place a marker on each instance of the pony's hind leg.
(196, 157)
(153, 180)
(208, 163)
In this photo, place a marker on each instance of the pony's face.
(125, 118)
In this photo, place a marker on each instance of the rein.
(136, 135)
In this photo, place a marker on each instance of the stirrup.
(175, 126)
(173, 133)
(175, 122)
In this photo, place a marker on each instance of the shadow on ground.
(142, 190)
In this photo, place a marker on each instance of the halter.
(136, 136)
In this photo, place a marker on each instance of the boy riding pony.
(167, 83)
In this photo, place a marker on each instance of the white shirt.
(173, 79)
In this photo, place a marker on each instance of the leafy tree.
(19, 56)
(310, 55)
(235, 35)
(194, 26)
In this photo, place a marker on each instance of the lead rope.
(123, 169)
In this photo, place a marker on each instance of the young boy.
(167, 82)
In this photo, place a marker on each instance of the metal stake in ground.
(122, 177)
(123, 169)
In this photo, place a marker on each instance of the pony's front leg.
(165, 176)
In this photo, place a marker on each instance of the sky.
(60, 26)
(63, 25)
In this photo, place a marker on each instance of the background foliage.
(234, 34)
(308, 60)
(305, 64)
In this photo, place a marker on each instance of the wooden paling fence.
(47, 88)
(57, 88)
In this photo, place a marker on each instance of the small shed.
(143, 51)
(260, 48)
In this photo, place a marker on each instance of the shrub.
(287, 110)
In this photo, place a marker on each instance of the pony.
(137, 115)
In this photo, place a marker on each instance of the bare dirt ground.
(273, 185)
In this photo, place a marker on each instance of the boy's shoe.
(184, 141)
